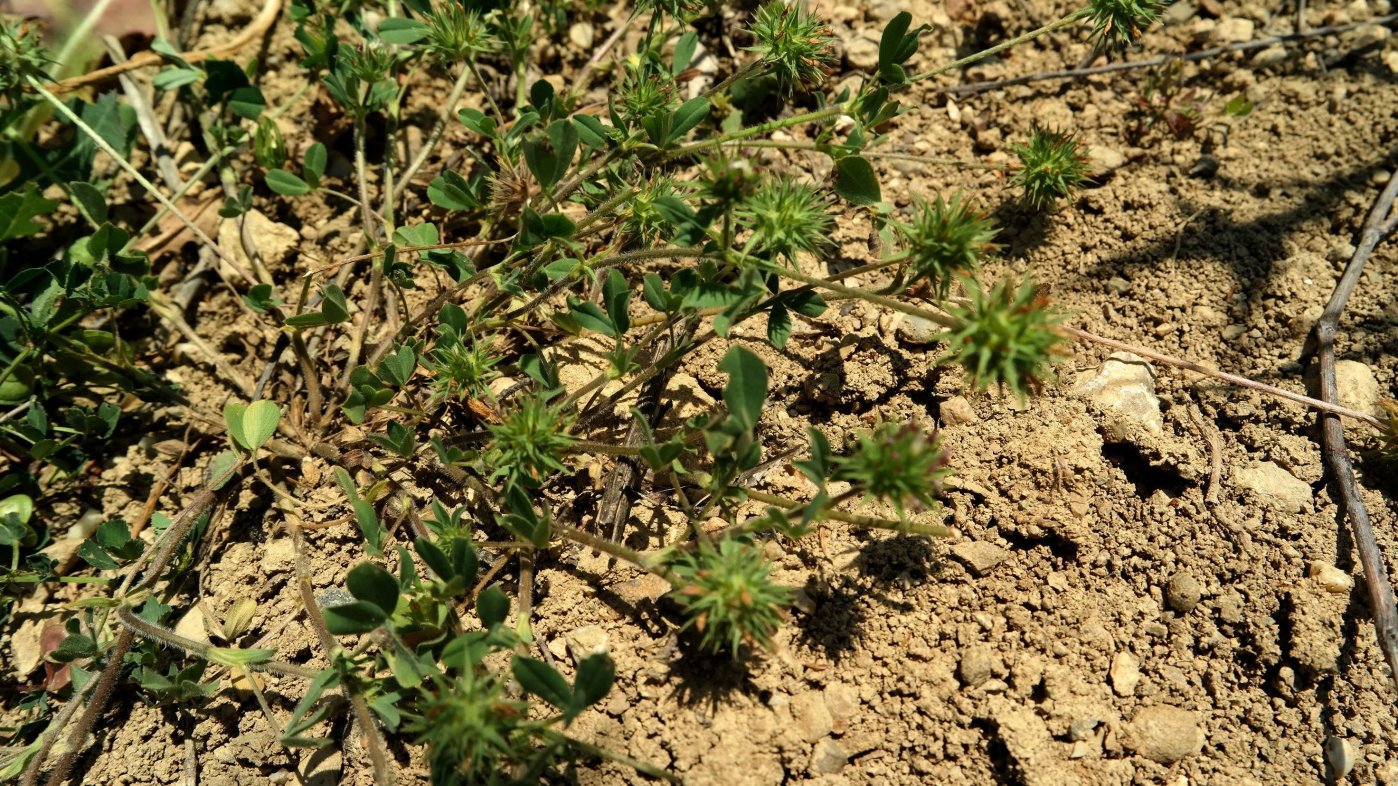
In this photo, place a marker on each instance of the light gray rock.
(1124, 388)
(862, 52)
(812, 716)
(1165, 734)
(1105, 159)
(828, 758)
(1233, 30)
(587, 640)
(978, 556)
(1358, 387)
(977, 662)
(1125, 673)
(916, 330)
(1275, 487)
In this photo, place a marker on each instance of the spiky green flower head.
(460, 371)
(528, 447)
(793, 43)
(651, 212)
(455, 34)
(786, 217)
(728, 597)
(471, 727)
(369, 62)
(1007, 339)
(726, 180)
(22, 57)
(898, 462)
(645, 93)
(1052, 165)
(1117, 24)
(944, 239)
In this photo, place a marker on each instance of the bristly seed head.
(1117, 24)
(944, 239)
(1007, 338)
(900, 463)
(728, 596)
(793, 44)
(786, 217)
(1052, 165)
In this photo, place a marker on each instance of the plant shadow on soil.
(842, 605)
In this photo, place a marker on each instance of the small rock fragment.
(1104, 159)
(587, 640)
(1330, 578)
(1270, 56)
(976, 665)
(812, 716)
(1125, 673)
(1339, 758)
(1183, 592)
(1233, 30)
(192, 626)
(828, 758)
(956, 411)
(978, 556)
(582, 35)
(1275, 487)
(862, 52)
(1358, 388)
(916, 330)
(1165, 734)
(1369, 35)
(1124, 388)
(842, 700)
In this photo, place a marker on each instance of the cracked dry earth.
(1150, 580)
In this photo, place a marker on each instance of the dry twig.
(1380, 224)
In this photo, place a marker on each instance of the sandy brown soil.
(1100, 617)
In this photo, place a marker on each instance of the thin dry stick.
(1205, 54)
(252, 32)
(373, 739)
(1380, 225)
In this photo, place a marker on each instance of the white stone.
(1233, 30)
(1125, 673)
(1125, 388)
(1330, 578)
(586, 641)
(1275, 487)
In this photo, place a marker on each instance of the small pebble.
(1165, 734)
(1330, 578)
(1339, 757)
(1183, 592)
(978, 556)
(1125, 673)
(976, 665)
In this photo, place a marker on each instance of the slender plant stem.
(652, 563)
(438, 128)
(1191, 57)
(373, 738)
(1380, 224)
(1077, 15)
(758, 130)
